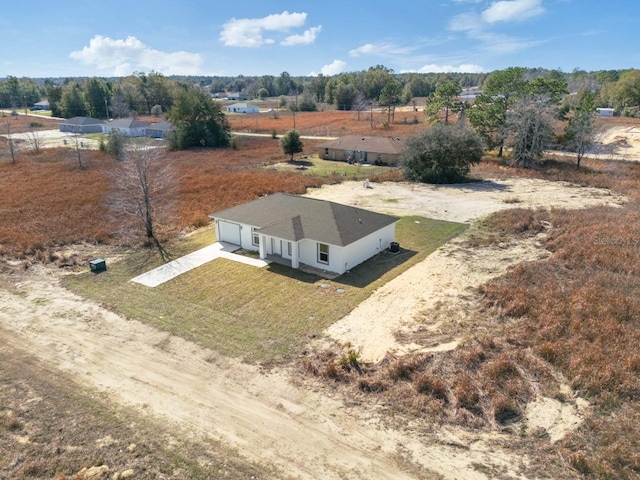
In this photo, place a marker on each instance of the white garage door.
(229, 232)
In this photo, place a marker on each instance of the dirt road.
(304, 433)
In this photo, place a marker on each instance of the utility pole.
(106, 108)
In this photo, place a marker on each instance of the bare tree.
(145, 185)
(79, 146)
(12, 147)
(34, 140)
(360, 104)
(580, 131)
(119, 107)
(530, 124)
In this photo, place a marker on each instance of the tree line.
(154, 93)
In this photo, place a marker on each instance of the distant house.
(360, 148)
(236, 96)
(159, 130)
(43, 105)
(81, 125)
(306, 231)
(242, 108)
(126, 126)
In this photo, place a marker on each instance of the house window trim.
(321, 253)
(255, 237)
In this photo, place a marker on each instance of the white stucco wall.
(341, 259)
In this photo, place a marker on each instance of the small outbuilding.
(363, 149)
(242, 108)
(605, 112)
(81, 125)
(306, 231)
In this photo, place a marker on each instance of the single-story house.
(43, 105)
(236, 96)
(359, 148)
(160, 129)
(301, 230)
(126, 126)
(242, 108)
(81, 125)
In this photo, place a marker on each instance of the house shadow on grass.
(375, 268)
(360, 276)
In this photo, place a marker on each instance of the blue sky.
(43, 38)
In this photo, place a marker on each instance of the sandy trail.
(304, 433)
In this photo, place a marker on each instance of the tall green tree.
(445, 96)
(489, 112)
(441, 154)
(97, 96)
(344, 95)
(54, 95)
(627, 91)
(284, 84)
(504, 89)
(72, 102)
(198, 121)
(391, 97)
(158, 90)
(374, 80)
(291, 143)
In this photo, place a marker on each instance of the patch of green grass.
(391, 200)
(258, 314)
(327, 168)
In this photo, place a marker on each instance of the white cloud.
(466, 22)
(308, 36)
(363, 50)
(512, 10)
(122, 57)
(381, 49)
(462, 68)
(249, 32)
(334, 68)
(498, 44)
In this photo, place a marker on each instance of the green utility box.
(98, 265)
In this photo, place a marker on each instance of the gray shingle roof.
(295, 218)
(127, 123)
(81, 121)
(367, 144)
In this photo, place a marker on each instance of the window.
(323, 253)
(289, 248)
(255, 237)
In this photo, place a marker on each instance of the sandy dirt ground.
(621, 142)
(306, 433)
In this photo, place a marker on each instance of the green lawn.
(260, 315)
(325, 168)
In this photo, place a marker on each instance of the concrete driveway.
(170, 270)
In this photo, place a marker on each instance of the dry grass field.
(565, 327)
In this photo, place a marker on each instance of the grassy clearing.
(52, 428)
(260, 315)
(331, 168)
